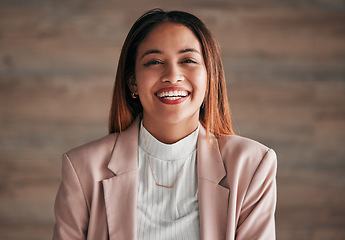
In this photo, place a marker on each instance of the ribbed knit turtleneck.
(164, 213)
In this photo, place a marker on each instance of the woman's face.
(170, 75)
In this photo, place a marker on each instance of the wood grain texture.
(285, 68)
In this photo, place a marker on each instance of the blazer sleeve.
(256, 219)
(71, 211)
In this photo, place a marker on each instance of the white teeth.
(173, 98)
(173, 94)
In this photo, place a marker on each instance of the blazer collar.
(213, 198)
(125, 154)
(120, 191)
(210, 163)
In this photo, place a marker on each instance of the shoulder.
(233, 144)
(243, 156)
(93, 156)
(97, 147)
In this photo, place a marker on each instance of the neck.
(169, 133)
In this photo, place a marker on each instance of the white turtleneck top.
(164, 213)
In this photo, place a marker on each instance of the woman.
(171, 167)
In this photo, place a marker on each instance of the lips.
(172, 95)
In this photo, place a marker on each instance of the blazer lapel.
(120, 191)
(213, 198)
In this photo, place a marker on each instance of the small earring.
(133, 95)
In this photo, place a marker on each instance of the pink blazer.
(97, 198)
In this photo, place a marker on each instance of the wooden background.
(285, 69)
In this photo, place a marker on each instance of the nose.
(172, 73)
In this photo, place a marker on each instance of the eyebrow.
(189, 50)
(153, 51)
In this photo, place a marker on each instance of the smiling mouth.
(172, 95)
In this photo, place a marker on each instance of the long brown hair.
(214, 112)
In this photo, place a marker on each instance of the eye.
(152, 62)
(189, 61)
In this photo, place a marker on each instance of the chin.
(174, 118)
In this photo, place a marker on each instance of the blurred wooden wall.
(285, 68)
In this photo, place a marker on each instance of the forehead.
(169, 36)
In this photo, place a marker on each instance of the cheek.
(144, 80)
(201, 81)
(146, 86)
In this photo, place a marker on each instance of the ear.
(132, 84)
